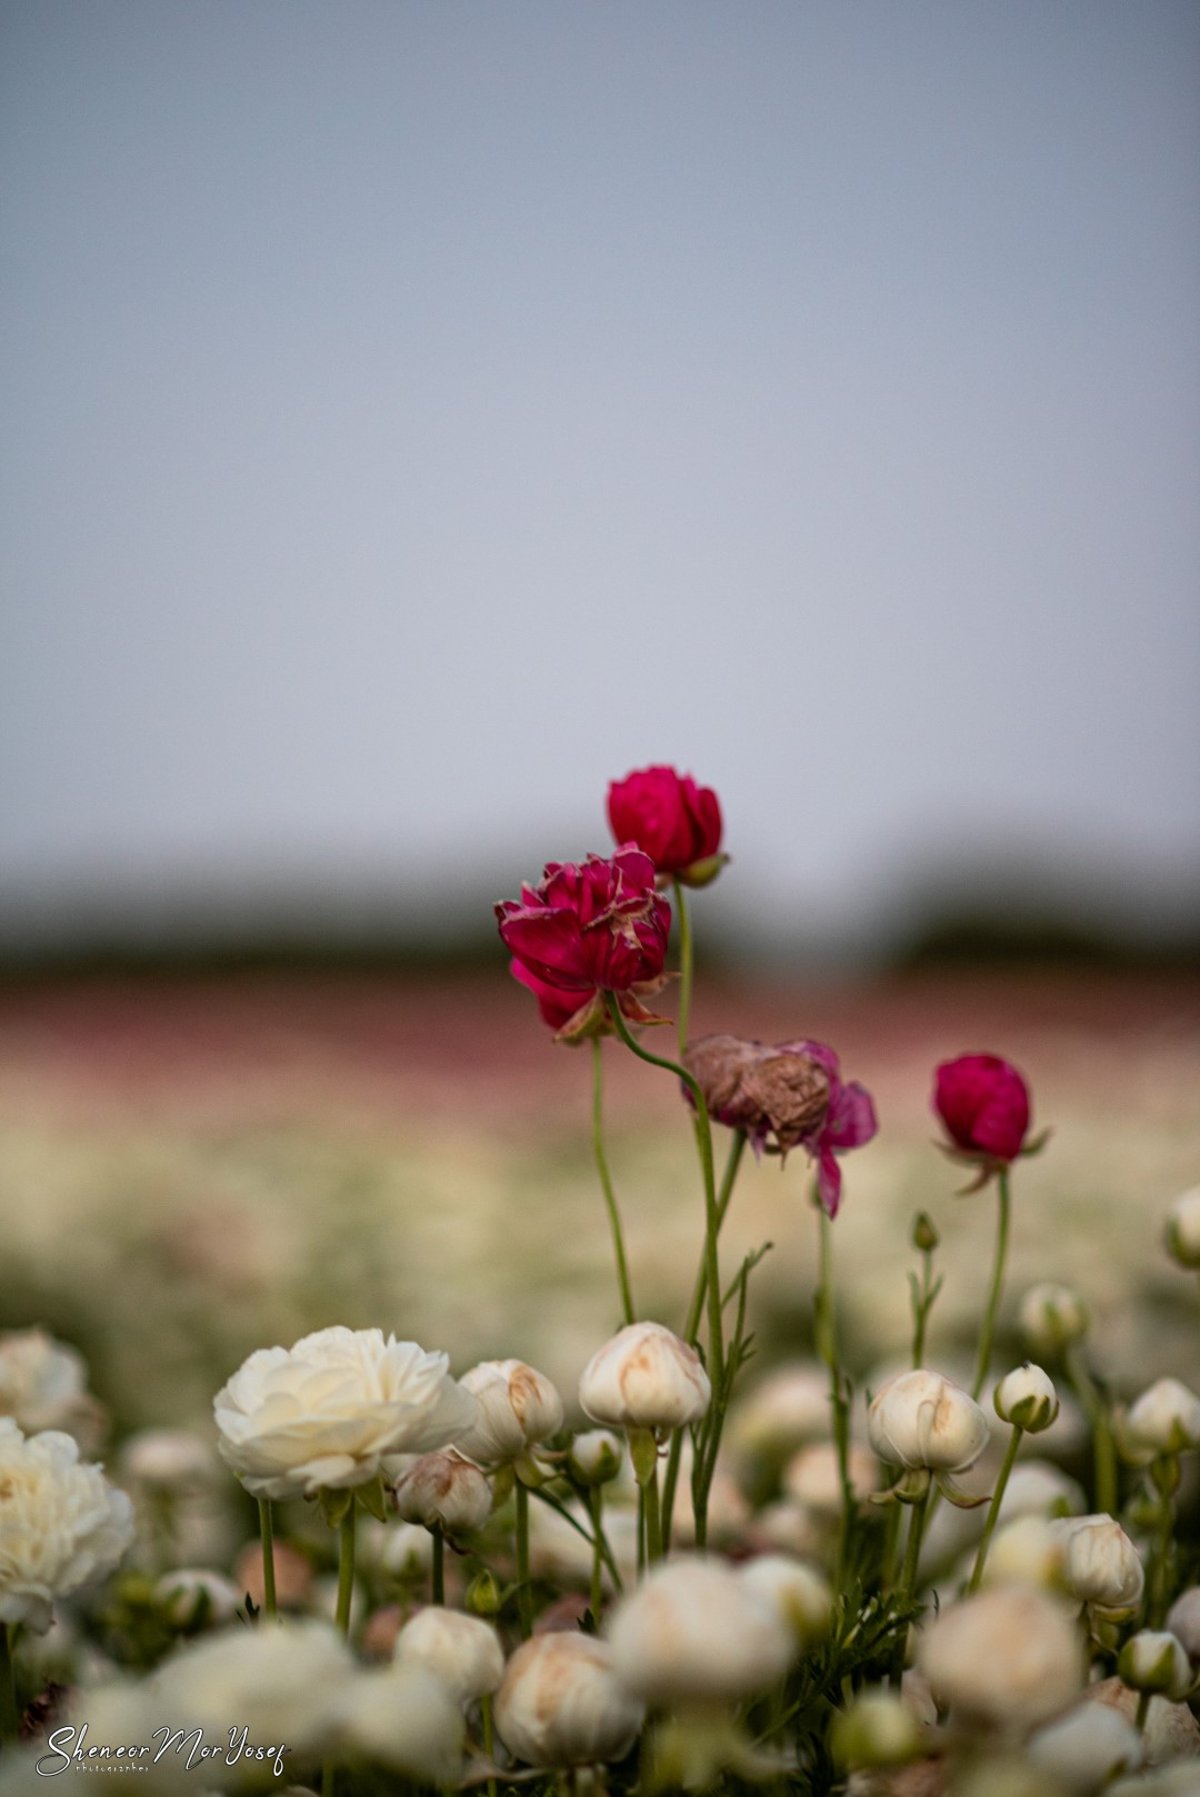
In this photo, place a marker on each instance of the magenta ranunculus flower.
(984, 1105)
(675, 822)
(850, 1122)
(586, 930)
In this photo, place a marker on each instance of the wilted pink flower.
(676, 822)
(984, 1104)
(587, 930)
(785, 1095)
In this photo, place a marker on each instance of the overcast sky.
(418, 413)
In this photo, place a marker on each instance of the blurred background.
(419, 416)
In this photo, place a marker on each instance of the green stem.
(716, 1351)
(1104, 1448)
(346, 1569)
(1159, 1582)
(654, 1546)
(908, 1576)
(826, 1333)
(685, 965)
(606, 1184)
(10, 1709)
(266, 1528)
(1143, 1710)
(489, 1736)
(997, 1286)
(733, 1162)
(524, 1588)
(596, 1506)
(439, 1566)
(989, 1527)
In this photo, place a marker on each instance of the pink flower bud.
(671, 819)
(984, 1105)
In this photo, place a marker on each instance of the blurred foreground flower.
(324, 1414)
(586, 930)
(62, 1525)
(671, 819)
(43, 1385)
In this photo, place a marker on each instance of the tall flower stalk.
(996, 1287)
(266, 1527)
(606, 1185)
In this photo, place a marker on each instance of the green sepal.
(374, 1498)
(335, 1506)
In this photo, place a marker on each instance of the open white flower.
(62, 1525)
(43, 1385)
(322, 1416)
(518, 1407)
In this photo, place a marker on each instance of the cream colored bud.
(923, 1420)
(645, 1377)
(1165, 1419)
(444, 1491)
(194, 1597)
(1053, 1316)
(800, 1594)
(694, 1629)
(1183, 1229)
(560, 1704)
(1026, 1399)
(1039, 1488)
(463, 1651)
(1154, 1660)
(1009, 1656)
(518, 1408)
(1027, 1552)
(595, 1456)
(1086, 1749)
(1183, 1620)
(877, 1730)
(787, 1409)
(168, 1460)
(813, 1476)
(408, 1719)
(1101, 1565)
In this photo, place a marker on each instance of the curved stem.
(266, 1529)
(989, 1527)
(606, 1184)
(716, 1350)
(997, 1286)
(525, 1590)
(685, 964)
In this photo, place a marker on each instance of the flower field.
(602, 1397)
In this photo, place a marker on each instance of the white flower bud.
(1039, 1488)
(787, 1409)
(1010, 1656)
(1183, 1620)
(645, 1377)
(1027, 1552)
(444, 1491)
(1101, 1565)
(518, 1408)
(1154, 1660)
(800, 1594)
(403, 1550)
(1183, 1229)
(694, 1629)
(813, 1476)
(923, 1420)
(1165, 1419)
(284, 1682)
(193, 1597)
(1086, 1749)
(878, 1730)
(43, 1385)
(1053, 1316)
(1026, 1399)
(463, 1651)
(169, 1460)
(595, 1456)
(405, 1717)
(560, 1703)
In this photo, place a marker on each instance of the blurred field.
(192, 1169)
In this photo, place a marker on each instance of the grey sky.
(418, 414)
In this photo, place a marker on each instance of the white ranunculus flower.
(518, 1408)
(444, 1491)
(322, 1416)
(62, 1525)
(560, 1703)
(43, 1385)
(1012, 1657)
(695, 1629)
(408, 1719)
(1101, 1565)
(1166, 1419)
(463, 1651)
(645, 1377)
(283, 1682)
